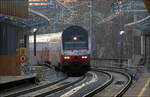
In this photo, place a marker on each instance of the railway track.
(18, 93)
(114, 84)
(43, 90)
(102, 81)
(111, 88)
(93, 80)
(101, 87)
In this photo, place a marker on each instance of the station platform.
(141, 88)
(12, 81)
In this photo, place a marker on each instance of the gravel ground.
(132, 71)
(59, 93)
(101, 79)
(69, 80)
(47, 76)
(119, 81)
(18, 88)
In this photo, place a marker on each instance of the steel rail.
(126, 87)
(58, 88)
(101, 87)
(119, 93)
(34, 88)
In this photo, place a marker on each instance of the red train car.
(68, 51)
(75, 50)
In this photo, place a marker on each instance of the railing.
(109, 62)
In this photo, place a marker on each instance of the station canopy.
(143, 24)
(17, 8)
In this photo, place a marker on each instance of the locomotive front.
(75, 50)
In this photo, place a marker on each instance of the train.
(68, 51)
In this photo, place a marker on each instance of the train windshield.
(75, 37)
(76, 45)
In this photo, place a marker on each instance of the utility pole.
(134, 20)
(91, 26)
(35, 32)
(134, 13)
(121, 31)
(34, 43)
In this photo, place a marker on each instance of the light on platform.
(35, 29)
(122, 32)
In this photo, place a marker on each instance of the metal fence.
(109, 63)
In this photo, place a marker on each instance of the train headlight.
(66, 57)
(75, 38)
(84, 57)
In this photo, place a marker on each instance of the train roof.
(74, 30)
